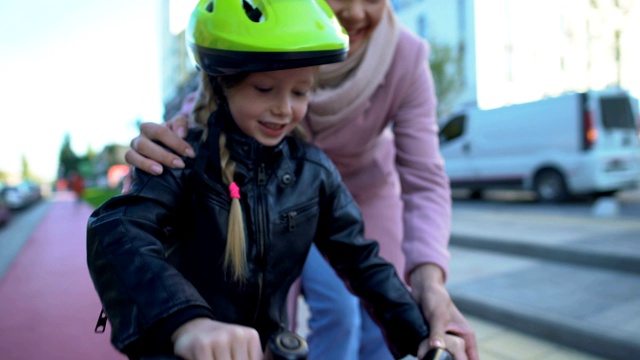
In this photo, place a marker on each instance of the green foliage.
(26, 172)
(448, 74)
(68, 160)
(96, 196)
(91, 154)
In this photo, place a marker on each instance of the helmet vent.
(209, 7)
(253, 13)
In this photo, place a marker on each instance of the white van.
(575, 144)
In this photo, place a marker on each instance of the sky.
(86, 68)
(91, 69)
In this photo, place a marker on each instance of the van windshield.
(616, 113)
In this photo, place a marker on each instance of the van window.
(453, 129)
(616, 113)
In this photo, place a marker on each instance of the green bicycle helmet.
(236, 36)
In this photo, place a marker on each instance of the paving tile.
(497, 342)
(485, 330)
(517, 346)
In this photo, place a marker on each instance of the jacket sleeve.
(425, 185)
(139, 288)
(371, 278)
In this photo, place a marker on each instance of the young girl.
(197, 262)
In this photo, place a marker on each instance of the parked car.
(21, 196)
(575, 144)
(5, 213)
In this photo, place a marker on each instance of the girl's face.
(359, 18)
(268, 105)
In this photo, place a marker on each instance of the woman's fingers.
(453, 344)
(178, 124)
(143, 163)
(127, 181)
(456, 346)
(170, 134)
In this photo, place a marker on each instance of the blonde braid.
(205, 104)
(236, 250)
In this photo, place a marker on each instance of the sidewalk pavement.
(574, 280)
(543, 286)
(48, 306)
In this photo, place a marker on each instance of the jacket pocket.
(302, 215)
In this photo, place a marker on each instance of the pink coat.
(390, 160)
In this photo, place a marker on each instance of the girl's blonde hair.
(209, 95)
(235, 257)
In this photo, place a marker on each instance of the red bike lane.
(48, 307)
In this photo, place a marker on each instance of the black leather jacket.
(155, 254)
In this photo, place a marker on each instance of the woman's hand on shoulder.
(148, 156)
(206, 339)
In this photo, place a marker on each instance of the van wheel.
(475, 194)
(549, 186)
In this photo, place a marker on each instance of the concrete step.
(609, 243)
(589, 308)
(619, 253)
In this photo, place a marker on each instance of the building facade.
(429, 19)
(511, 51)
(531, 50)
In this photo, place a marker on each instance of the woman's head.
(359, 18)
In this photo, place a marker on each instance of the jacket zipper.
(290, 216)
(262, 181)
(101, 324)
(291, 220)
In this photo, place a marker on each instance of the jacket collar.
(244, 149)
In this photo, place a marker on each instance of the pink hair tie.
(234, 190)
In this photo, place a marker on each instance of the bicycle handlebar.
(438, 354)
(287, 345)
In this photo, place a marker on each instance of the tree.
(68, 160)
(26, 172)
(448, 76)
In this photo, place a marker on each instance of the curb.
(18, 230)
(601, 342)
(558, 253)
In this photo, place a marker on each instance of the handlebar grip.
(287, 345)
(438, 354)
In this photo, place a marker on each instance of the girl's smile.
(273, 129)
(268, 105)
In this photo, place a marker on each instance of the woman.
(375, 116)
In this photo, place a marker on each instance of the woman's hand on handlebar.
(206, 339)
(445, 320)
(148, 156)
(454, 346)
